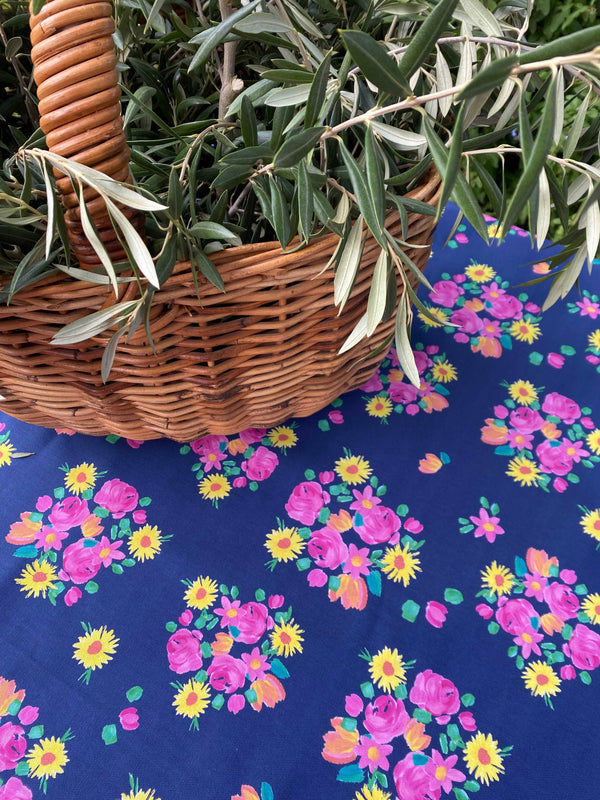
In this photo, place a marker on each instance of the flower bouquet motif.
(239, 663)
(588, 306)
(341, 505)
(24, 750)
(235, 462)
(546, 436)
(87, 525)
(550, 617)
(390, 734)
(477, 308)
(394, 392)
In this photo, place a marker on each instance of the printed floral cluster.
(484, 524)
(409, 735)
(88, 524)
(588, 306)
(25, 752)
(394, 392)
(7, 450)
(476, 308)
(548, 615)
(546, 436)
(494, 232)
(342, 504)
(593, 349)
(226, 463)
(239, 663)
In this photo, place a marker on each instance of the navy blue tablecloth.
(396, 597)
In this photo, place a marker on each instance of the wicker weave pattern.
(77, 85)
(264, 351)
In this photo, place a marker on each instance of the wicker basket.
(263, 352)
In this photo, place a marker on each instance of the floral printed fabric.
(394, 599)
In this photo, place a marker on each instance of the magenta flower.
(43, 503)
(353, 705)
(336, 417)
(372, 755)
(412, 525)
(256, 664)
(574, 450)
(117, 496)
(365, 500)
(486, 526)
(374, 384)
(467, 721)
(528, 642)
(186, 617)
(385, 718)
(49, 538)
(139, 516)
(72, 596)
(519, 440)
(183, 651)
(568, 672)
(14, 789)
(13, 745)
(235, 703)
(228, 611)
(484, 611)
(316, 577)
(535, 585)
(275, 600)
(28, 714)
(129, 719)
(326, 477)
(239, 482)
(588, 309)
(109, 551)
(226, 673)
(442, 771)
(357, 563)
(555, 360)
(435, 613)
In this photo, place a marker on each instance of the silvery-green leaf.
(504, 94)
(359, 333)
(481, 17)
(465, 66)
(362, 194)
(93, 324)
(377, 293)
(143, 95)
(262, 21)
(95, 241)
(444, 81)
(154, 20)
(206, 229)
(402, 340)
(305, 201)
(51, 199)
(592, 231)
(544, 209)
(565, 281)
(255, 93)
(348, 264)
(580, 42)
(375, 63)
(574, 132)
(218, 34)
(426, 36)
(582, 183)
(559, 117)
(403, 140)
(108, 356)
(316, 95)
(290, 96)
(139, 252)
(90, 276)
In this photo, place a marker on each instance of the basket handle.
(74, 60)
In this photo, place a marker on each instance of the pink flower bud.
(587, 422)
(135, 443)
(459, 278)
(239, 483)
(72, 596)
(501, 412)
(354, 705)
(560, 485)
(186, 617)
(326, 477)
(28, 714)
(484, 611)
(129, 719)
(235, 703)
(316, 577)
(435, 613)
(412, 525)
(336, 417)
(139, 516)
(555, 360)
(568, 672)
(467, 721)
(568, 576)
(43, 503)
(461, 338)
(276, 600)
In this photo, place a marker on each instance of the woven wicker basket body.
(262, 352)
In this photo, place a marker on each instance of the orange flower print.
(538, 561)
(493, 433)
(222, 644)
(551, 624)
(8, 695)
(351, 591)
(432, 463)
(340, 522)
(415, 736)
(269, 690)
(247, 793)
(339, 744)
(24, 532)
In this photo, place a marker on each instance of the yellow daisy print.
(80, 478)
(6, 452)
(286, 638)
(387, 669)
(37, 578)
(591, 523)
(483, 759)
(495, 231)
(282, 436)
(353, 469)
(436, 318)
(141, 794)
(400, 564)
(202, 593)
(372, 794)
(443, 372)
(523, 392)
(47, 758)
(192, 699)
(497, 579)
(145, 543)
(591, 606)
(214, 487)
(480, 273)
(525, 331)
(379, 407)
(284, 544)
(541, 680)
(594, 339)
(593, 441)
(523, 470)
(95, 648)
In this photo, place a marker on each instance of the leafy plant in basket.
(290, 120)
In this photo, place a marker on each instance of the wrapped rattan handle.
(75, 73)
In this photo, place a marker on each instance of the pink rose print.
(378, 525)
(385, 718)
(72, 595)
(583, 648)
(526, 420)
(251, 622)
(69, 513)
(413, 781)
(446, 293)
(561, 601)
(14, 789)
(12, 745)
(226, 674)
(435, 694)
(562, 407)
(553, 457)
(327, 548)
(117, 496)
(129, 719)
(81, 562)
(305, 502)
(517, 615)
(183, 651)
(261, 464)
